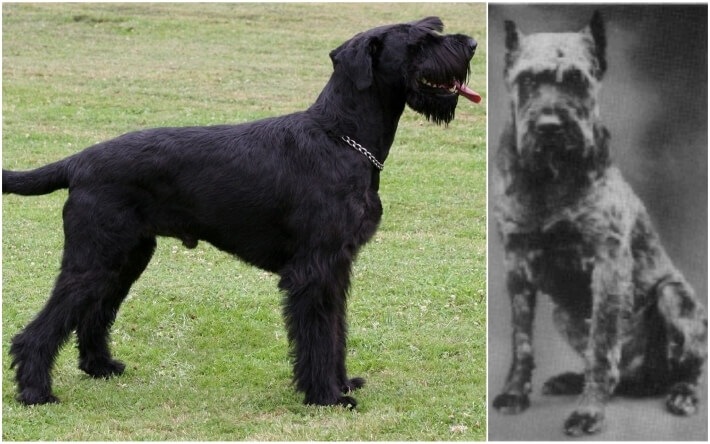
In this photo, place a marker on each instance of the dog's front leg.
(514, 398)
(314, 310)
(612, 302)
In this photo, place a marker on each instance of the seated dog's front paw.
(584, 422)
(511, 403)
(682, 399)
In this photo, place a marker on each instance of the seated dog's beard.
(550, 156)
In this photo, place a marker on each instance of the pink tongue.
(467, 92)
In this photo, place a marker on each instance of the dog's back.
(178, 181)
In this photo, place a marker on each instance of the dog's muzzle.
(548, 125)
(550, 141)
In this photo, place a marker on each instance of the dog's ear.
(420, 29)
(512, 36)
(595, 29)
(428, 24)
(356, 58)
(512, 43)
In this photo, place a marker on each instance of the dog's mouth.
(450, 88)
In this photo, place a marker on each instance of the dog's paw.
(353, 384)
(30, 396)
(331, 399)
(347, 402)
(682, 399)
(511, 403)
(105, 369)
(565, 384)
(584, 422)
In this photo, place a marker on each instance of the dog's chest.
(560, 260)
(557, 249)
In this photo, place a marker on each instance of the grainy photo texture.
(574, 231)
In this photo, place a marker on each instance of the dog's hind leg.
(96, 246)
(686, 326)
(35, 348)
(314, 310)
(93, 330)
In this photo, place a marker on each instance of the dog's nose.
(548, 123)
(472, 44)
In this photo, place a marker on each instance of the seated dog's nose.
(548, 124)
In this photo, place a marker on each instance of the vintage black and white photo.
(598, 166)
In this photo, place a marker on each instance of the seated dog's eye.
(528, 81)
(576, 83)
(526, 85)
(575, 80)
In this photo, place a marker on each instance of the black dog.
(287, 194)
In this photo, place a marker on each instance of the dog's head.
(553, 80)
(413, 62)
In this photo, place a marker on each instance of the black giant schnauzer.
(295, 195)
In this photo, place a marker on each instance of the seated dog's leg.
(314, 311)
(576, 331)
(514, 398)
(612, 301)
(93, 330)
(686, 325)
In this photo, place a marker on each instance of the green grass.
(200, 332)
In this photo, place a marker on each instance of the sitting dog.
(295, 195)
(573, 229)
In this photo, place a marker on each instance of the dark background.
(654, 103)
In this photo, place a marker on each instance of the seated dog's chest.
(562, 247)
(560, 262)
(565, 247)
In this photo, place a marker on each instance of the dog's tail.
(42, 180)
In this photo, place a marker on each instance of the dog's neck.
(369, 118)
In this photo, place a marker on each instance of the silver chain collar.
(363, 151)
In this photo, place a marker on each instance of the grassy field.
(201, 333)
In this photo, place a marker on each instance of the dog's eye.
(574, 77)
(575, 82)
(527, 81)
(526, 85)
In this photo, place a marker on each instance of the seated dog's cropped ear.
(598, 34)
(512, 44)
(356, 58)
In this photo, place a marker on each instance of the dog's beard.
(551, 156)
(437, 107)
(438, 80)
